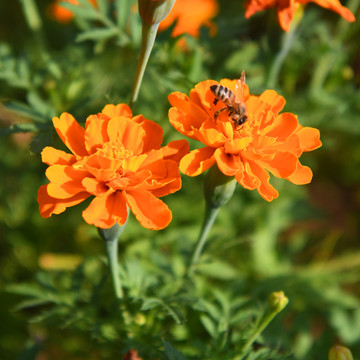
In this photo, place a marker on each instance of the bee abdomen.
(222, 93)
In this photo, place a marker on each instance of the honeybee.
(235, 107)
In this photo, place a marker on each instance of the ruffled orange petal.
(286, 10)
(125, 131)
(94, 186)
(227, 163)
(254, 6)
(267, 191)
(95, 134)
(48, 205)
(151, 212)
(335, 6)
(197, 161)
(201, 95)
(301, 176)
(309, 138)
(111, 110)
(52, 156)
(175, 150)
(153, 133)
(284, 125)
(65, 181)
(105, 211)
(71, 133)
(282, 165)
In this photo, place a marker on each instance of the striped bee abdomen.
(223, 93)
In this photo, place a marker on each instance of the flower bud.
(154, 11)
(278, 300)
(218, 188)
(338, 352)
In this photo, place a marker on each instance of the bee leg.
(215, 101)
(218, 112)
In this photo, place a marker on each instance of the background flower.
(266, 142)
(286, 9)
(62, 14)
(189, 17)
(119, 160)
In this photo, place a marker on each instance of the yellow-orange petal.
(335, 6)
(282, 165)
(272, 98)
(71, 133)
(301, 176)
(309, 138)
(65, 181)
(151, 212)
(105, 211)
(52, 156)
(192, 114)
(234, 146)
(153, 133)
(201, 95)
(286, 10)
(96, 134)
(228, 164)
(48, 205)
(111, 110)
(197, 161)
(265, 189)
(94, 186)
(284, 125)
(124, 130)
(175, 150)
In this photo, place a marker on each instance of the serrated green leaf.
(103, 6)
(86, 12)
(97, 34)
(23, 128)
(26, 111)
(150, 303)
(209, 325)
(218, 270)
(172, 353)
(31, 303)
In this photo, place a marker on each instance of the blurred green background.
(305, 243)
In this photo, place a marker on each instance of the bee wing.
(240, 86)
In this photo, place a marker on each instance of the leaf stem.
(209, 219)
(148, 38)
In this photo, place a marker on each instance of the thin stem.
(148, 38)
(210, 216)
(111, 251)
(31, 14)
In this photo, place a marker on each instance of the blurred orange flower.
(287, 8)
(118, 159)
(190, 16)
(62, 14)
(266, 142)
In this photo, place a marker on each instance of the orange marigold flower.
(118, 159)
(62, 14)
(190, 17)
(287, 8)
(266, 142)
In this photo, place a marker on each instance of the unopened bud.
(338, 352)
(278, 300)
(154, 11)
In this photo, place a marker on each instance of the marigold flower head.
(119, 160)
(62, 14)
(190, 17)
(338, 352)
(268, 141)
(287, 8)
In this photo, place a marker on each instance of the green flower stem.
(218, 190)
(277, 302)
(31, 15)
(111, 238)
(148, 39)
(209, 219)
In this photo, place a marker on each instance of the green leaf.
(218, 270)
(84, 10)
(26, 111)
(172, 353)
(97, 34)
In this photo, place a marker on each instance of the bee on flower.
(248, 138)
